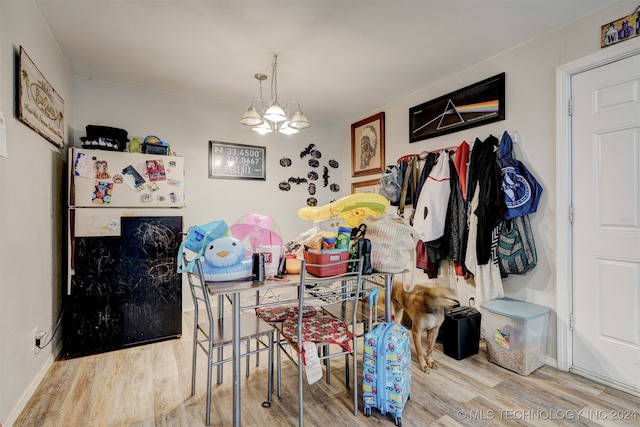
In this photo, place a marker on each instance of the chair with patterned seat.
(365, 314)
(275, 315)
(302, 334)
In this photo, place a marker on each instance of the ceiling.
(339, 59)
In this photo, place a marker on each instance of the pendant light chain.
(274, 79)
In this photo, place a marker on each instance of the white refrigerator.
(125, 225)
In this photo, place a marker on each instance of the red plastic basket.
(332, 270)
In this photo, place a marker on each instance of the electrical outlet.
(37, 337)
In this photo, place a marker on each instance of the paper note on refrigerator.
(84, 166)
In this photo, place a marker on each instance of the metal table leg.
(236, 359)
(220, 325)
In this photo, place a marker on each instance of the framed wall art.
(620, 30)
(367, 146)
(369, 186)
(475, 105)
(39, 105)
(237, 161)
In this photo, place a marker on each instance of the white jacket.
(433, 201)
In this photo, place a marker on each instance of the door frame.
(564, 194)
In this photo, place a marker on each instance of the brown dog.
(425, 306)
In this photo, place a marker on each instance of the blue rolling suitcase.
(386, 370)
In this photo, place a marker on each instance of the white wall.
(31, 212)
(32, 237)
(530, 111)
(188, 124)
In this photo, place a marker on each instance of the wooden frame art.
(369, 186)
(367, 146)
(621, 29)
(39, 105)
(475, 105)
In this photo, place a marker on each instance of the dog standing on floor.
(425, 306)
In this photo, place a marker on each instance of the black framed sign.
(237, 161)
(477, 104)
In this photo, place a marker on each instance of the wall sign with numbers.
(237, 161)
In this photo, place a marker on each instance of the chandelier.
(274, 118)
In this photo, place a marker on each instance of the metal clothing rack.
(423, 154)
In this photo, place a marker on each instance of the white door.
(606, 228)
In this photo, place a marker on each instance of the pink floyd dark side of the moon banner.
(475, 105)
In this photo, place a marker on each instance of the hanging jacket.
(429, 162)
(461, 165)
(423, 260)
(433, 201)
(484, 172)
(456, 218)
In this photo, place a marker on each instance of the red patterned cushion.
(319, 329)
(282, 312)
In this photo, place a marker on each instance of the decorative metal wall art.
(313, 157)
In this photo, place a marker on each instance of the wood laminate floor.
(149, 385)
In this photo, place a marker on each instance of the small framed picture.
(367, 146)
(369, 186)
(237, 161)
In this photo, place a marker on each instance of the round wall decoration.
(285, 162)
(284, 186)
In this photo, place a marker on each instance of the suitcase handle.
(373, 297)
(373, 305)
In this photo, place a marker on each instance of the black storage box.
(105, 138)
(460, 332)
(162, 150)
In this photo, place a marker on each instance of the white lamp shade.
(275, 113)
(286, 129)
(251, 117)
(263, 128)
(299, 121)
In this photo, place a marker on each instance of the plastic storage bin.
(515, 333)
(326, 258)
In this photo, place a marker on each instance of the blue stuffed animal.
(225, 259)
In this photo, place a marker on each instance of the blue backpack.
(196, 240)
(521, 190)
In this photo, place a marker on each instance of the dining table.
(233, 290)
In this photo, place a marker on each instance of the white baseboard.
(33, 386)
(550, 361)
(606, 381)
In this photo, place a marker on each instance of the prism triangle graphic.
(450, 117)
